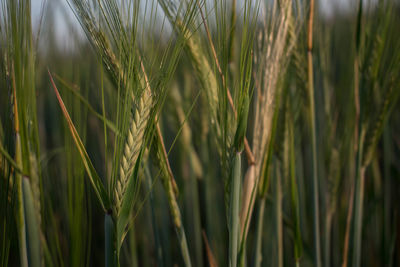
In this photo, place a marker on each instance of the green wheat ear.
(377, 125)
(133, 144)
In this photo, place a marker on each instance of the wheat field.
(199, 133)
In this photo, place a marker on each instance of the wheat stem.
(259, 231)
(311, 98)
(234, 210)
(32, 226)
(110, 249)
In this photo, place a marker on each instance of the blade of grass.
(93, 176)
(294, 193)
(358, 203)
(10, 160)
(102, 117)
(210, 255)
(359, 143)
(234, 210)
(259, 233)
(32, 226)
(20, 209)
(311, 98)
(278, 210)
(18, 182)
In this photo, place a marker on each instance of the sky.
(60, 10)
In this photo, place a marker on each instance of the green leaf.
(31, 224)
(93, 176)
(9, 159)
(71, 88)
(234, 210)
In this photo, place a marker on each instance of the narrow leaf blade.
(93, 176)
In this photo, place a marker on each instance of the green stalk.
(20, 207)
(387, 195)
(23, 254)
(259, 231)
(328, 231)
(359, 135)
(278, 203)
(183, 244)
(294, 195)
(103, 106)
(159, 251)
(31, 224)
(314, 164)
(109, 231)
(231, 39)
(358, 204)
(311, 95)
(234, 210)
(194, 199)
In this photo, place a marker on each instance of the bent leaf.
(93, 176)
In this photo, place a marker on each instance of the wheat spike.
(133, 144)
(167, 181)
(207, 76)
(275, 58)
